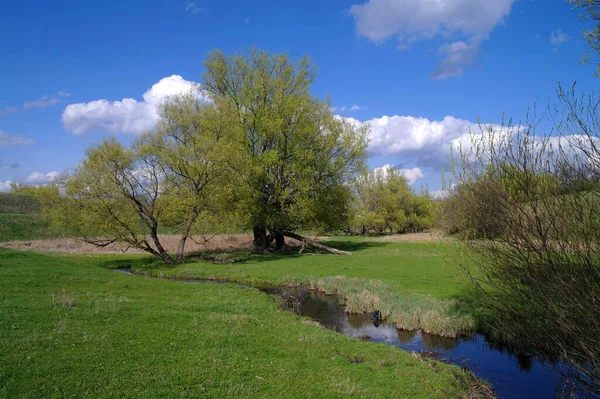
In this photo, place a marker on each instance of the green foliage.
(297, 154)
(72, 329)
(539, 194)
(383, 202)
(590, 12)
(176, 178)
(19, 203)
(30, 189)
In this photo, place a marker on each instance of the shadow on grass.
(229, 256)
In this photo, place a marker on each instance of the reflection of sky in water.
(512, 376)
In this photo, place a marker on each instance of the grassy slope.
(20, 218)
(23, 227)
(69, 329)
(19, 203)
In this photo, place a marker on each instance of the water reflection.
(512, 375)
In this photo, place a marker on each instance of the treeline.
(525, 204)
(384, 203)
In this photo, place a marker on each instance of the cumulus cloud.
(427, 141)
(41, 178)
(415, 20)
(13, 140)
(411, 175)
(5, 186)
(439, 194)
(127, 115)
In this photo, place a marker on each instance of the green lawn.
(416, 285)
(69, 328)
(423, 268)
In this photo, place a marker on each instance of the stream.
(512, 375)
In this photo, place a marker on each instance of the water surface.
(511, 375)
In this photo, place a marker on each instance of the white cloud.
(439, 194)
(557, 38)
(13, 140)
(5, 186)
(415, 20)
(458, 55)
(342, 108)
(127, 115)
(8, 110)
(411, 175)
(425, 140)
(64, 94)
(192, 7)
(41, 178)
(43, 102)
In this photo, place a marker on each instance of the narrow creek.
(512, 375)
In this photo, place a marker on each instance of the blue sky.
(421, 74)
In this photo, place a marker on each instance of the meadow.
(72, 327)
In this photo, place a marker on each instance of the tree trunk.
(181, 248)
(184, 235)
(279, 240)
(161, 250)
(306, 240)
(261, 239)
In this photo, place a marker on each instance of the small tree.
(383, 202)
(540, 275)
(297, 155)
(166, 179)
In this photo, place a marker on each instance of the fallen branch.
(306, 240)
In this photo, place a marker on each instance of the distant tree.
(590, 11)
(297, 156)
(383, 202)
(539, 274)
(31, 189)
(167, 179)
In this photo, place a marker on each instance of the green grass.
(23, 227)
(19, 203)
(69, 328)
(413, 284)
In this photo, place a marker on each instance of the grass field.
(69, 328)
(416, 285)
(23, 227)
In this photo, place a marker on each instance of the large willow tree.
(297, 155)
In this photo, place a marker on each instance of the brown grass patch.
(413, 237)
(170, 242)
